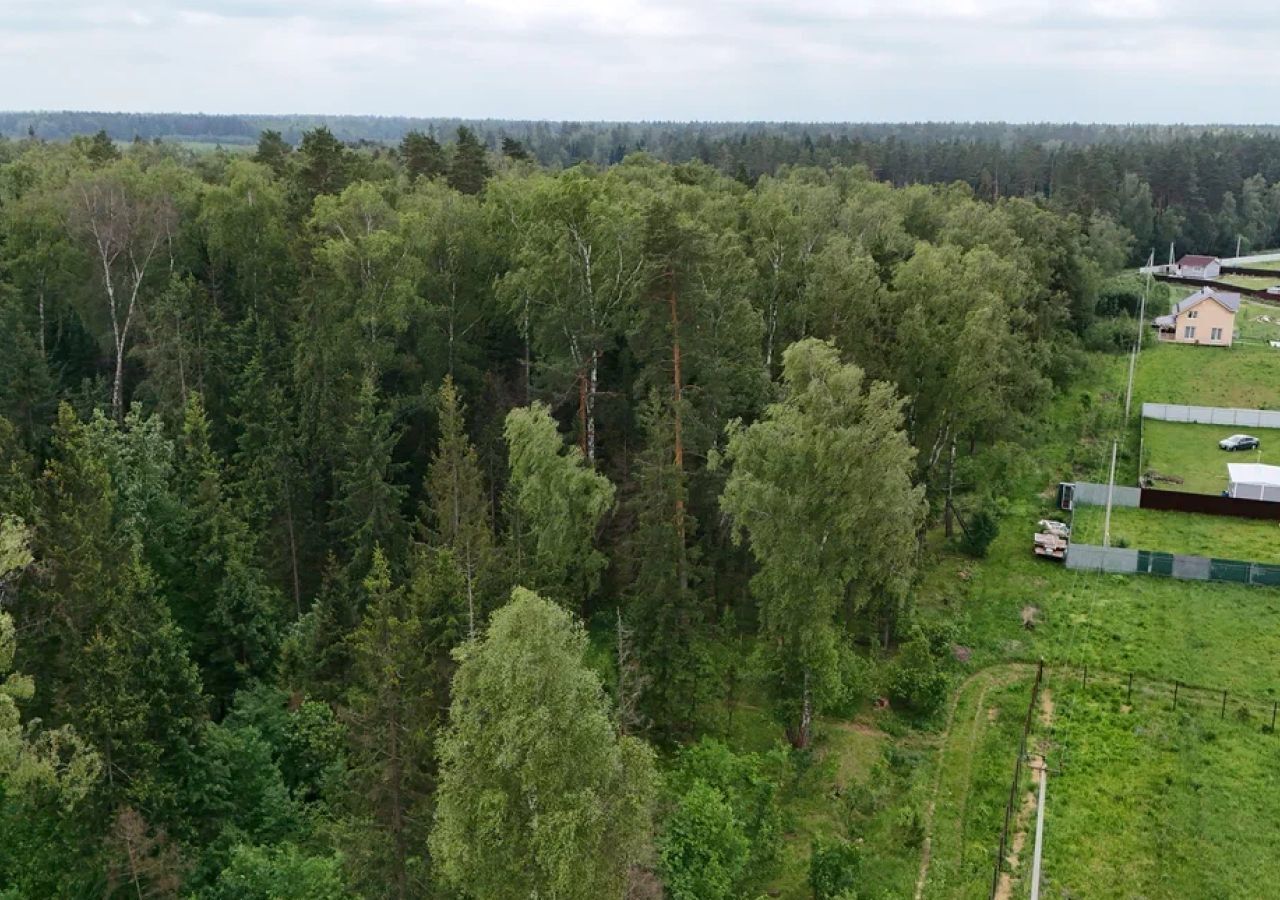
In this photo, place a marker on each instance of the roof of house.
(1226, 299)
(1253, 473)
(1195, 261)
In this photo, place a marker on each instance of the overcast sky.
(860, 60)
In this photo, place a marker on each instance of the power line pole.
(1137, 343)
(1111, 489)
(1036, 856)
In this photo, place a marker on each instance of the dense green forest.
(404, 522)
(1199, 188)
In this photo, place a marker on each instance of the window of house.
(1193, 314)
(1189, 332)
(1215, 334)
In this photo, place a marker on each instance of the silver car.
(1239, 442)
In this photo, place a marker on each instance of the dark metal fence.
(1011, 803)
(1226, 287)
(1209, 504)
(1219, 703)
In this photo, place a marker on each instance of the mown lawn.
(1224, 537)
(1156, 803)
(1190, 452)
(1246, 376)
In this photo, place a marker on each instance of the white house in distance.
(1192, 266)
(1253, 481)
(1206, 317)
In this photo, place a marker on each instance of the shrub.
(1111, 335)
(915, 679)
(834, 867)
(703, 849)
(856, 674)
(981, 529)
(748, 783)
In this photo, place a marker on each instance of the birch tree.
(125, 219)
(580, 267)
(539, 795)
(557, 503)
(821, 488)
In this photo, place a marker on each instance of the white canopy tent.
(1254, 481)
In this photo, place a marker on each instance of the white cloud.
(1135, 60)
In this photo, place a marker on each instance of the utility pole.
(1238, 237)
(1039, 851)
(1111, 489)
(1128, 394)
(1137, 344)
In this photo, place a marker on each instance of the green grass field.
(1258, 322)
(1190, 451)
(1246, 376)
(1156, 803)
(1251, 540)
(886, 782)
(1147, 793)
(1253, 282)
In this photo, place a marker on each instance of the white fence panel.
(1092, 558)
(1212, 415)
(1088, 493)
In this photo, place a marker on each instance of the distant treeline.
(1199, 187)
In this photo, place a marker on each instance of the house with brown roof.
(1206, 317)
(1192, 266)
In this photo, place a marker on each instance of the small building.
(1206, 317)
(1253, 481)
(1192, 266)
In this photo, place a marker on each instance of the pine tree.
(514, 149)
(273, 152)
(469, 168)
(422, 155)
(324, 164)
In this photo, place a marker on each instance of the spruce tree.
(230, 613)
(393, 707)
(457, 506)
(367, 506)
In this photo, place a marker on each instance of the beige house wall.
(1205, 316)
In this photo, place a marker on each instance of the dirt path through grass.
(988, 678)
